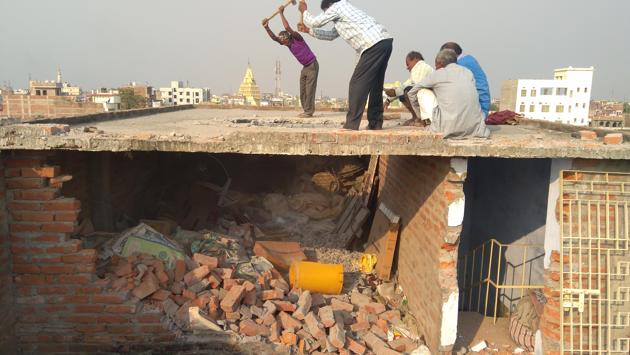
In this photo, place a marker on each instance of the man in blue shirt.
(481, 81)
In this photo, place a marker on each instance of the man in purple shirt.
(298, 47)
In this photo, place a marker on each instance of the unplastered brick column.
(550, 320)
(427, 193)
(62, 306)
(7, 298)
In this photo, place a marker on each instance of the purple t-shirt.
(301, 51)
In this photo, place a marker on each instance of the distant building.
(145, 91)
(179, 94)
(607, 114)
(249, 89)
(565, 99)
(53, 88)
(110, 99)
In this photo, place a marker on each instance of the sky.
(209, 42)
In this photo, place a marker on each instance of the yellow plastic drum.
(316, 277)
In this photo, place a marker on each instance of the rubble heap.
(204, 294)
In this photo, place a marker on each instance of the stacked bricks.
(419, 190)
(7, 314)
(62, 306)
(28, 107)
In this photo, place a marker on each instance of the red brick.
(360, 326)
(89, 308)
(69, 216)
(33, 216)
(285, 306)
(110, 319)
(123, 269)
(12, 172)
(149, 285)
(229, 283)
(75, 279)
(121, 308)
(196, 275)
(587, 135)
(53, 290)
(62, 204)
(272, 295)
(288, 322)
(403, 345)
(338, 305)
(60, 227)
(289, 338)
(249, 328)
(84, 256)
(390, 316)
(355, 346)
(26, 269)
(337, 336)
(113, 298)
(59, 180)
(149, 318)
(327, 316)
(91, 328)
(24, 206)
(232, 300)
(46, 171)
(88, 290)
(613, 138)
(314, 326)
(83, 319)
(24, 227)
(50, 239)
(209, 261)
(30, 280)
(161, 295)
(180, 270)
(25, 183)
(36, 195)
(215, 281)
(189, 294)
(22, 163)
(373, 308)
(58, 269)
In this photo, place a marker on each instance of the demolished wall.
(420, 191)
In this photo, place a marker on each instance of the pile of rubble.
(211, 293)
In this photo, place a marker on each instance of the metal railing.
(487, 279)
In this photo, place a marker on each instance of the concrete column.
(552, 229)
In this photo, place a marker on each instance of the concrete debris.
(479, 346)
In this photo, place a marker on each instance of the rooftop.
(183, 129)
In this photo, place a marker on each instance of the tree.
(129, 100)
(626, 107)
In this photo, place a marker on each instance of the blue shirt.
(481, 81)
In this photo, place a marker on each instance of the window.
(187, 93)
(187, 101)
(560, 108)
(197, 94)
(175, 103)
(196, 101)
(175, 96)
(38, 92)
(532, 108)
(522, 108)
(585, 90)
(561, 91)
(546, 91)
(181, 100)
(583, 105)
(523, 92)
(570, 107)
(45, 92)
(533, 93)
(545, 108)
(578, 90)
(571, 93)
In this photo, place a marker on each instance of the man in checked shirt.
(371, 42)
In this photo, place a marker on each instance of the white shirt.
(418, 72)
(358, 29)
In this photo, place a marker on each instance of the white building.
(179, 94)
(565, 99)
(110, 99)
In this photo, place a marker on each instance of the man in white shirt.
(418, 70)
(371, 42)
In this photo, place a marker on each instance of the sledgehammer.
(290, 2)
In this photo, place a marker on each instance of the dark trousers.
(308, 87)
(367, 81)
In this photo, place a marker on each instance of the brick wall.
(61, 304)
(420, 190)
(28, 107)
(7, 314)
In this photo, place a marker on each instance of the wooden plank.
(383, 239)
(368, 187)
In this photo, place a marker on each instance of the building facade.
(180, 94)
(565, 99)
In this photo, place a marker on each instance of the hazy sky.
(208, 42)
